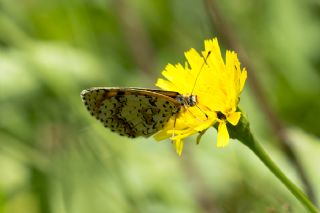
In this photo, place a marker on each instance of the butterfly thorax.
(187, 100)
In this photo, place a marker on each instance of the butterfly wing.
(132, 112)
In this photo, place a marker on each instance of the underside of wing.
(132, 112)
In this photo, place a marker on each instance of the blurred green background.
(56, 158)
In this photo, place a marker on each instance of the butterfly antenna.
(204, 62)
(202, 112)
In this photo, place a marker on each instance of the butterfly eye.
(192, 100)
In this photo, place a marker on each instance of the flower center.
(221, 116)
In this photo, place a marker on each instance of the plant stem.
(264, 157)
(243, 134)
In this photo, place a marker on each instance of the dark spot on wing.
(120, 93)
(153, 102)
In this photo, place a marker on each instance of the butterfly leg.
(174, 125)
(186, 108)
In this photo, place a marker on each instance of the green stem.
(264, 157)
(243, 134)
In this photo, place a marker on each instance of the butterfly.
(134, 112)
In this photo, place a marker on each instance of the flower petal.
(179, 146)
(165, 85)
(223, 135)
(243, 78)
(161, 135)
(234, 118)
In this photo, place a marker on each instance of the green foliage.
(54, 157)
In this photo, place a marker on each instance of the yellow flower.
(217, 86)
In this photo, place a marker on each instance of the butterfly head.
(188, 100)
